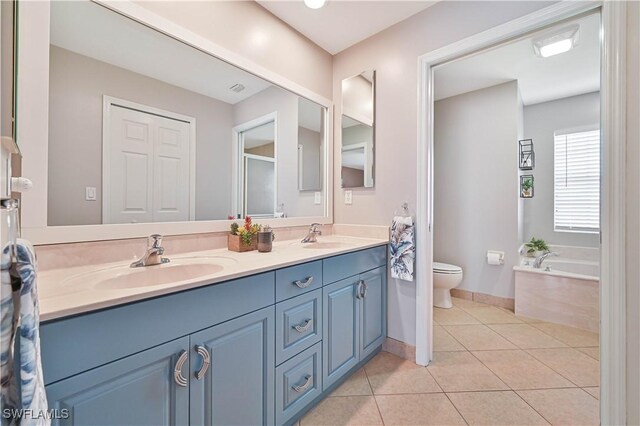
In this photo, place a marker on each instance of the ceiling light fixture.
(314, 4)
(557, 42)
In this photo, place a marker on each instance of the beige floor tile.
(493, 315)
(357, 384)
(453, 316)
(443, 341)
(389, 374)
(461, 371)
(593, 352)
(344, 410)
(519, 370)
(422, 409)
(580, 368)
(594, 392)
(526, 336)
(495, 408)
(464, 303)
(564, 406)
(478, 337)
(573, 337)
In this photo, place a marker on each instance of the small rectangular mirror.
(358, 130)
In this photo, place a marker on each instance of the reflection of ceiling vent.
(237, 88)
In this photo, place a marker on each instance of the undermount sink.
(125, 277)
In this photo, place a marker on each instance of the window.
(577, 181)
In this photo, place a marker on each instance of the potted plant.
(536, 247)
(527, 187)
(243, 238)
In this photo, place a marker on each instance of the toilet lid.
(446, 268)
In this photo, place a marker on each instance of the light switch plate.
(317, 198)
(90, 193)
(348, 196)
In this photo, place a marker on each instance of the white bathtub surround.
(64, 292)
(558, 297)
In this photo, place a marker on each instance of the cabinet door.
(136, 390)
(238, 387)
(373, 325)
(340, 330)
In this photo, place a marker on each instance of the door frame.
(237, 163)
(107, 103)
(613, 125)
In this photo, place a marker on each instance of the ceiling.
(343, 23)
(94, 31)
(539, 79)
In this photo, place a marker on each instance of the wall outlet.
(348, 196)
(90, 193)
(317, 197)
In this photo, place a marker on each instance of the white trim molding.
(613, 209)
(612, 300)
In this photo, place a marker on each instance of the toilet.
(445, 277)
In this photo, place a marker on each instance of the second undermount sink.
(125, 277)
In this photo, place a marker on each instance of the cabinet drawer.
(298, 383)
(296, 280)
(298, 324)
(347, 265)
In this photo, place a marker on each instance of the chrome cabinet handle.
(359, 290)
(303, 387)
(177, 370)
(302, 328)
(364, 289)
(206, 361)
(304, 283)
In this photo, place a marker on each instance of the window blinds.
(577, 181)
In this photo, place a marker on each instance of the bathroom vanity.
(262, 347)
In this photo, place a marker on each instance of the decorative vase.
(235, 243)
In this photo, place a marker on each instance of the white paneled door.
(146, 167)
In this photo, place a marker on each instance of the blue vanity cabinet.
(373, 318)
(341, 313)
(137, 390)
(238, 386)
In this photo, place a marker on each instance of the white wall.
(296, 203)
(357, 99)
(393, 54)
(249, 30)
(540, 123)
(76, 86)
(311, 142)
(476, 185)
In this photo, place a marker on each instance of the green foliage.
(527, 184)
(234, 228)
(536, 245)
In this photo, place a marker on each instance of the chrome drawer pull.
(305, 283)
(359, 290)
(177, 371)
(307, 382)
(206, 361)
(302, 328)
(364, 289)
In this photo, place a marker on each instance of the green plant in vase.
(536, 245)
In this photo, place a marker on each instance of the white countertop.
(71, 291)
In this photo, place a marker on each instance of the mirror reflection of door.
(357, 154)
(258, 162)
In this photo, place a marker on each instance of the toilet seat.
(445, 268)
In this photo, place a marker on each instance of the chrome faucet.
(312, 236)
(154, 253)
(538, 262)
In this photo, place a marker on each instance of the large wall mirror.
(358, 130)
(145, 128)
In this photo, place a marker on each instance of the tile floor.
(490, 367)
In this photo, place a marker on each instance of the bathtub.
(565, 290)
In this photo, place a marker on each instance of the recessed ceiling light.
(557, 42)
(314, 4)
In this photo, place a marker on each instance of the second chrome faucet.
(154, 253)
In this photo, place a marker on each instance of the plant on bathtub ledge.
(536, 247)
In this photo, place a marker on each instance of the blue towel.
(402, 248)
(20, 309)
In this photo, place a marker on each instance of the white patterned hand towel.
(402, 248)
(32, 400)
